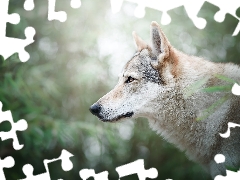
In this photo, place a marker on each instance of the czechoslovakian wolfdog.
(153, 85)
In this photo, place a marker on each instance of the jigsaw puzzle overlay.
(219, 158)
(136, 167)
(7, 162)
(192, 8)
(235, 91)
(231, 175)
(67, 165)
(9, 46)
(52, 14)
(21, 125)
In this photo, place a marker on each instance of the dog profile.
(153, 85)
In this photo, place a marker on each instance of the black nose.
(95, 109)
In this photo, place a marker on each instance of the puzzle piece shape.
(9, 46)
(192, 8)
(219, 158)
(231, 175)
(212, 11)
(137, 167)
(29, 5)
(179, 15)
(230, 125)
(28, 171)
(7, 162)
(67, 165)
(87, 173)
(224, 47)
(76, 4)
(236, 89)
(52, 14)
(227, 7)
(21, 125)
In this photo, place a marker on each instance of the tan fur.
(162, 75)
(139, 42)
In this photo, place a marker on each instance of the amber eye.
(129, 79)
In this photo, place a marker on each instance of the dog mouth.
(119, 117)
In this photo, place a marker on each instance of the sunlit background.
(76, 62)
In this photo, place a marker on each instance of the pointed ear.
(160, 44)
(139, 42)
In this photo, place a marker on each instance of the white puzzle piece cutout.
(231, 175)
(87, 173)
(219, 158)
(52, 14)
(137, 167)
(230, 125)
(29, 5)
(67, 165)
(9, 46)
(21, 125)
(76, 4)
(7, 162)
(236, 89)
(192, 8)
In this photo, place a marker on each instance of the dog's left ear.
(160, 45)
(139, 42)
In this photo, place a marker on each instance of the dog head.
(141, 83)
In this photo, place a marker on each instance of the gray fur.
(148, 72)
(158, 93)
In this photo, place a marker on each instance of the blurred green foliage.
(73, 64)
(199, 86)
